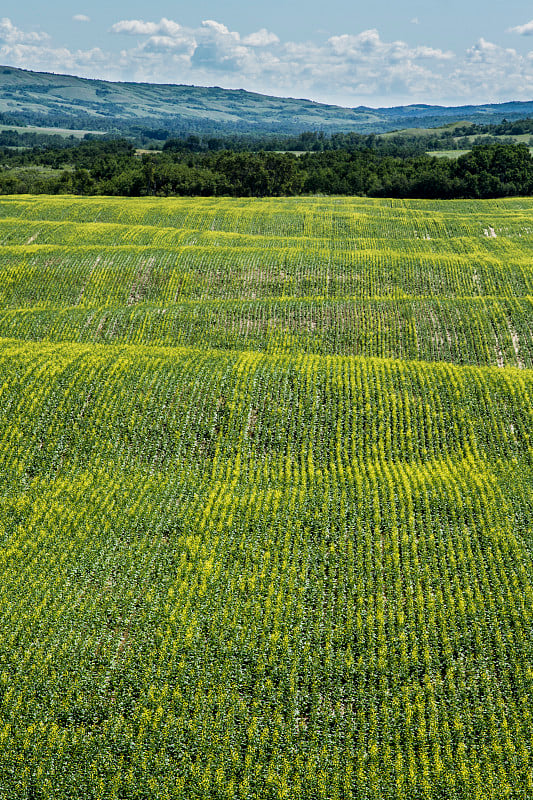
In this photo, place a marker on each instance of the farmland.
(266, 491)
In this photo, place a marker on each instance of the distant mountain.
(41, 98)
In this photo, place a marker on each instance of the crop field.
(266, 490)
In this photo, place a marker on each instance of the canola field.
(266, 492)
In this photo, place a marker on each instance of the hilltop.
(40, 98)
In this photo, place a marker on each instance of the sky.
(377, 53)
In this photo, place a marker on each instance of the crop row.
(159, 406)
(49, 274)
(263, 576)
(484, 331)
(265, 499)
(334, 218)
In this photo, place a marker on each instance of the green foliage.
(343, 164)
(266, 471)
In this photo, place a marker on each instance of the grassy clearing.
(455, 153)
(447, 153)
(65, 132)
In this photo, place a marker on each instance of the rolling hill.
(266, 499)
(49, 99)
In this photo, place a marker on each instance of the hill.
(45, 99)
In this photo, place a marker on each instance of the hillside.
(266, 490)
(42, 98)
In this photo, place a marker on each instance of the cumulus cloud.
(484, 52)
(156, 43)
(81, 18)
(137, 27)
(13, 35)
(350, 68)
(369, 46)
(261, 38)
(86, 63)
(524, 30)
(218, 28)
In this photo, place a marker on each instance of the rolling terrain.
(40, 98)
(266, 490)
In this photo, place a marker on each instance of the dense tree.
(201, 167)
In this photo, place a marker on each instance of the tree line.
(113, 167)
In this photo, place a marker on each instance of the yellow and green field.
(266, 489)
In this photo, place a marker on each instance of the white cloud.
(368, 47)
(430, 52)
(415, 21)
(163, 43)
(137, 27)
(348, 68)
(261, 38)
(523, 30)
(489, 53)
(218, 28)
(81, 18)
(12, 35)
(86, 63)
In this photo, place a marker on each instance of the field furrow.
(266, 491)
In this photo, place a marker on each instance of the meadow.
(266, 499)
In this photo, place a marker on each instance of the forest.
(342, 164)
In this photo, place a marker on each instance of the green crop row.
(271, 546)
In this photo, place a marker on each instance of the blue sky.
(372, 53)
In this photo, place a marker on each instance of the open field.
(266, 488)
(64, 132)
(454, 153)
(447, 153)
